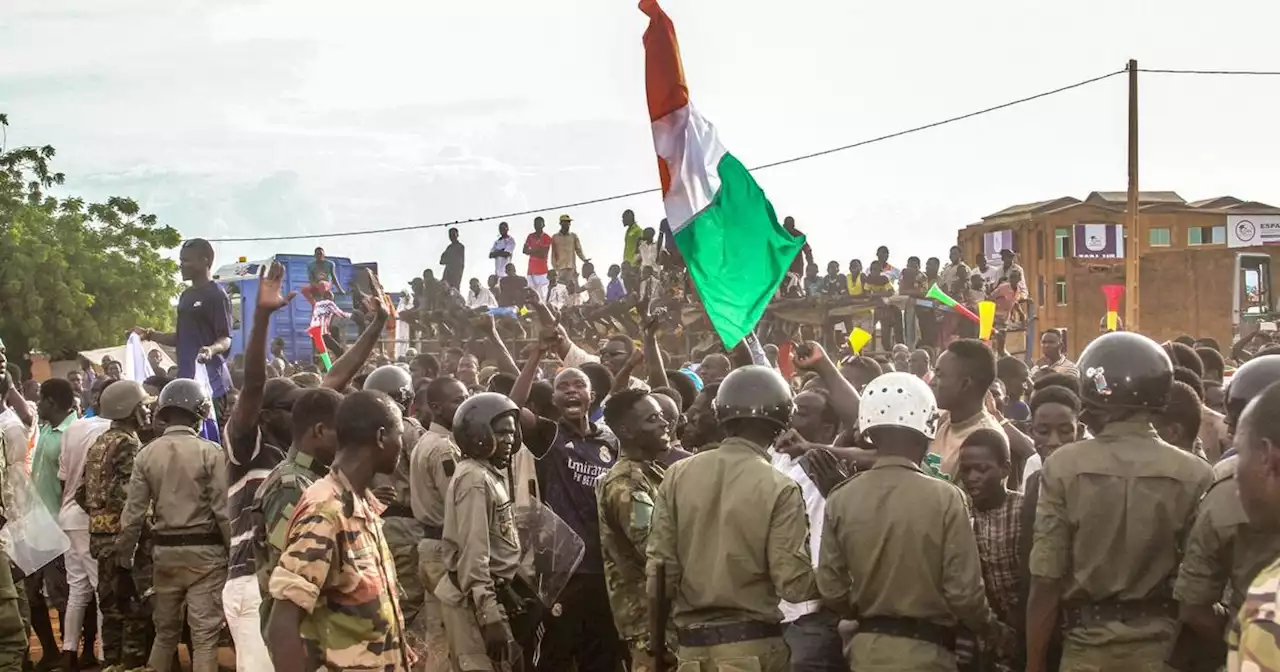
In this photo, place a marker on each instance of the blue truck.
(291, 322)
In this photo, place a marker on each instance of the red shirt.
(540, 241)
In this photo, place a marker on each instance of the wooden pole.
(1132, 223)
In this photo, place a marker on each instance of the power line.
(616, 197)
(1248, 73)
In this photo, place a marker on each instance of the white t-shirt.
(481, 299)
(19, 440)
(76, 441)
(815, 508)
(507, 246)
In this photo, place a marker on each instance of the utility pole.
(1132, 224)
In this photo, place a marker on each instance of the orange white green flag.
(736, 251)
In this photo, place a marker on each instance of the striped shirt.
(249, 460)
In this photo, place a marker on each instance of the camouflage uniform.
(13, 632)
(1255, 639)
(108, 467)
(402, 530)
(1224, 552)
(336, 567)
(480, 547)
(435, 459)
(273, 506)
(626, 496)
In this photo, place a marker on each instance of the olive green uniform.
(898, 554)
(1224, 552)
(273, 506)
(183, 477)
(626, 496)
(479, 548)
(13, 632)
(402, 531)
(1113, 517)
(732, 533)
(435, 459)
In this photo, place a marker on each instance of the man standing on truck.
(203, 333)
(322, 276)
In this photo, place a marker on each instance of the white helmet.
(899, 400)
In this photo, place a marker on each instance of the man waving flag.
(736, 250)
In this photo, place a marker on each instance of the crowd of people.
(792, 511)
(650, 277)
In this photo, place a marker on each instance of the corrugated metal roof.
(1143, 197)
(1032, 207)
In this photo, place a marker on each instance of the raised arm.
(506, 363)
(244, 416)
(656, 368)
(349, 364)
(844, 398)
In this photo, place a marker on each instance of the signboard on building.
(1249, 230)
(993, 242)
(1098, 241)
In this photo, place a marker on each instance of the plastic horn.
(987, 319)
(940, 296)
(1113, 294)
(859, 340)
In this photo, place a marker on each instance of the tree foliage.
(75, 275)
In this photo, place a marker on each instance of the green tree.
(75, 275)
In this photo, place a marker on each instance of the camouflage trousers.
(431, 570)
(126, 627)
(758, 655)
(13, 634)
(403, 535)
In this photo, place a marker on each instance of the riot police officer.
(183, 478)
(731, 502)
(1224, 551)
(1089, 562)
(486, 610)
(402, 529)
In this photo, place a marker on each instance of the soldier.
(627, 494)
(435, 459)
(108, 470)
(1225, 551)
(13, 632)
(336, 606)
(403, 530)
(315, 442)
(1255, 639)
(910, 574)
(183, 478)
(1112, 516)
(731, 503)
(486, 609)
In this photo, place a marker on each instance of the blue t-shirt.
(204, 316)
(568, 465)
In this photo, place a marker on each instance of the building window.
(1061, 242)
(1060, 290)
(1160, 238)
(1207, 235)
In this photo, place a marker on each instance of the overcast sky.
(258, 117)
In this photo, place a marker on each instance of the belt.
(397, 510)
(432, 532)
(197, 539)
(727, 633)
(1078, 614)
(910, 628)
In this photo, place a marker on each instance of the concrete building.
(1199, 275)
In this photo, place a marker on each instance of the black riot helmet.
(473, 426)
(754, 391)
(1125, 370)
(392, 381)
(1248, 382)
(186, 394)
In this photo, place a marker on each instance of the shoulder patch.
(449, 467)
(845, 482)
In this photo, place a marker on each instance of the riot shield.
(31, 536)
(549, 550)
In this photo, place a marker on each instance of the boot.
(69, 662)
